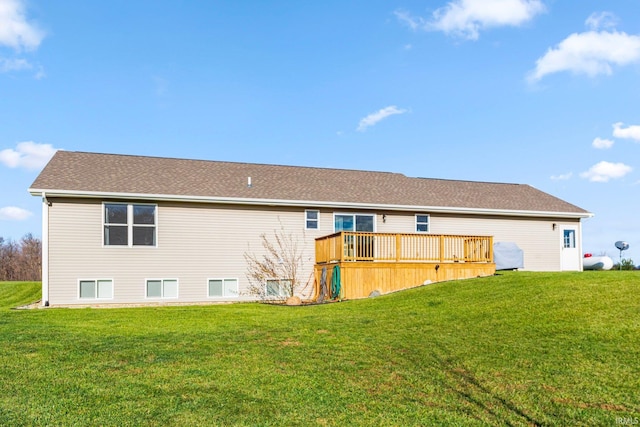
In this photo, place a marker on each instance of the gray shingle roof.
(79, 172)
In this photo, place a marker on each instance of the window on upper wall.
(116, 225)
(129, 224)
(312, 219)
(278, 288)
(162, 288)
(422, 223)
(220, 288)
(143, 229)
(95, 289)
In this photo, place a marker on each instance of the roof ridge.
(234, 162)
(468, 180)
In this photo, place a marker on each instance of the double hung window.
(312, 219)
(129, 224)
(422, 223)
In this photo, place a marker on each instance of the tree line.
(625, 264)
(21, 260)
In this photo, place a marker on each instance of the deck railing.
(403, 247)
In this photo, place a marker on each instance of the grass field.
(513, 349)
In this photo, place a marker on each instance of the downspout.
(45, 250)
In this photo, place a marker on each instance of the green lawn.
(513, 349)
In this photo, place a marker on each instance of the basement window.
(95, 289)
(223, 288)
(162, 288)
(278, 288)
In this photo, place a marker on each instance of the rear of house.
(138, 230)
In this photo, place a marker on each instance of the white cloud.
(28, 155)
(602, 144)
(13, 213)
(589, 53)
(562, 177)
(413, 22)
(379, 115)
(465, 18)
(598, 20)
(8, 65)
(15, 31)
(630, 132)
(604, 171)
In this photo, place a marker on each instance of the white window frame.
(96, 289)
(569, 239)
(224, 288)
(354, 214)
(162, 296)
(130, 225)
(428, 223)
(280, 293)
(307, 219)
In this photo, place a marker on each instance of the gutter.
(303, 203)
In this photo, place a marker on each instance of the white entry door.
(570, 249)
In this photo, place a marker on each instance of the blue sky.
(541, 92)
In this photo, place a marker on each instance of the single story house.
(124, 229)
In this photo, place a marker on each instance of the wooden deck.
(388, 262)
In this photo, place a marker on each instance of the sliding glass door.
(354, 222)
(360, 246)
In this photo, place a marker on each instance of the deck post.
(441, 248)
(342, 246)
(398, 247)
(491, 249)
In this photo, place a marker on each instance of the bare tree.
(9, 260)
(276, 274)
(31, 258)
(21, 261)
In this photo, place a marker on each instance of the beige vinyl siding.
(540, 242)
(198, 241)
(195, 242)
(396, 222)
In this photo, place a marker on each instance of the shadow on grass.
(468, 388)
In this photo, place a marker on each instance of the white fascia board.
(305, 203)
